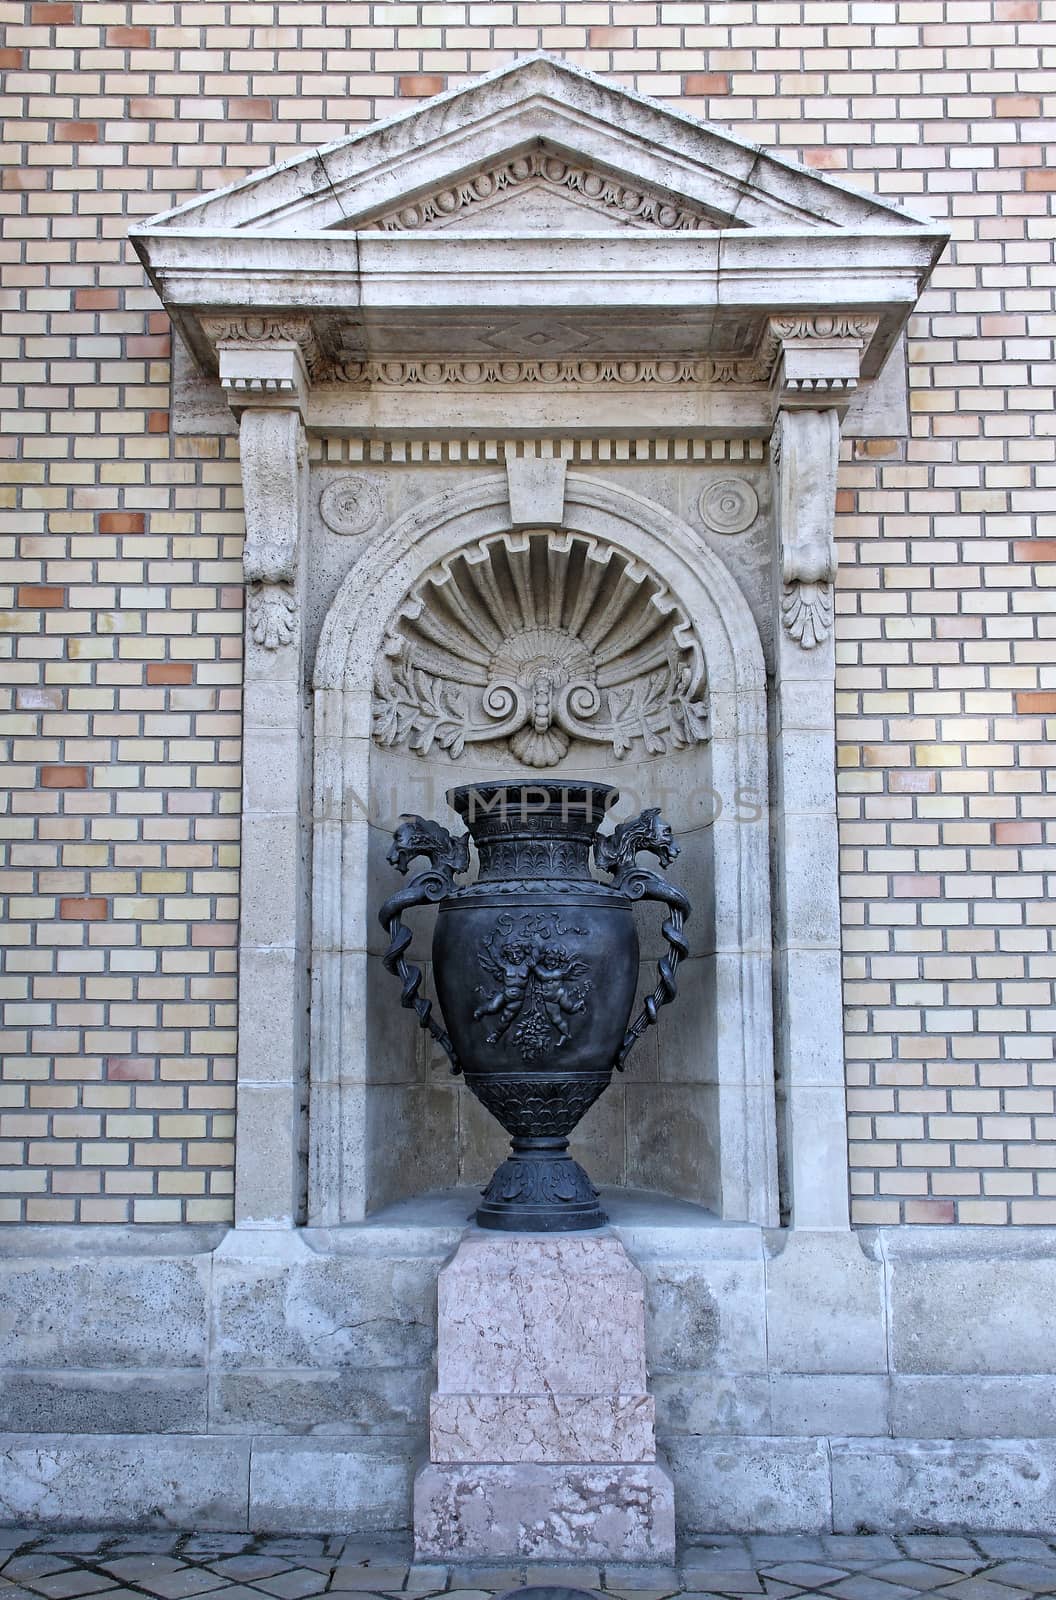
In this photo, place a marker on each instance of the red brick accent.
(1041, 179)
(129, 1069)
(1017, 105)
(96, 300)
(169, 672)
(930, 1211)
(83, 908)
(846, 500)
(64, 777)
(157, 422)
(150, 106)
(420, 85)
(24, 178)
(41, 596)
(917, 885)
(122, 522)
(610, 38)
(1034, 550)
(1028, 700)
(147, 344)
(706, 83)
(1016, 11)
(45, 14)
(252, 107)
(76, 132)
(158, 322)
(877, 448)
(214, 933)
(120, 38)
(1017, 833)
(825, 159)
(12, 58)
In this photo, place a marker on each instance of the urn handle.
(617, 853)
(417, 837)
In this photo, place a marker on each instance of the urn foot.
(540, 1189)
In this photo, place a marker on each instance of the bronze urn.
(536, 967)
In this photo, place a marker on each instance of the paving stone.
(468, 1594)
(368, 1577)
(863, 1586)
(738, 1581)
(979, 1589)
(425, 1578)
(564, 1575)
(295, 1550)
(806, 1574)
(917, 1574)
(1013, 1545)
(252, 1566)
(145, 1542)
(204, 1545)
(768, 1548)
(180, 1585)
(34, 1565)
(133, 1567)
(934, 1546)
(300, 1582)
(717, 1557)
(638, 1594)
(1040, 1577)
(79, 1544)
(638, 1576)
(65, 1585)
(859, 1546)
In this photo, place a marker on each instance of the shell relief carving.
(535, 639)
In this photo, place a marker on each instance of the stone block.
(704, 1310)
(824, 1303)
(188, 1480)
(556, 1513)
(671, 1138)
(993, 1487)
(285, 1304)
(973, 1406)
(359, 1400)
(317, 1485)
(82, 1307)
(544, 1428)
(711, 1403)
(104, 1402)
(818, 1404)
(740, 1485)
(530, 1314)
(979, 1300)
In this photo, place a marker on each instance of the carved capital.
(805, 452)
(815, 361)
(274, 464)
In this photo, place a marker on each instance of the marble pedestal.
(542, 1439)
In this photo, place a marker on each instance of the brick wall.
(121, 594)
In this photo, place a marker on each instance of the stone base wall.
(280, 1381)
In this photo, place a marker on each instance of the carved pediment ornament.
(596, 373)
(534, 640)
(599, 191)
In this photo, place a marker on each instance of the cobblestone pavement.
(43, 1565)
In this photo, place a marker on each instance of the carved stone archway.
(341, 1175)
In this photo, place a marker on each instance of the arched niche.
(695, 1115)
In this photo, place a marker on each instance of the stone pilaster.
(266, 384)
(816, 372)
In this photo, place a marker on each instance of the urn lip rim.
(603, 796)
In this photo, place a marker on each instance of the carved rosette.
(535, 640)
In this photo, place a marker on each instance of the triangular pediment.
(537, 147)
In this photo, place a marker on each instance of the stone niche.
(540, 390)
